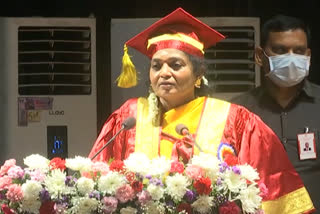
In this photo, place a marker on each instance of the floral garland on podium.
(136, 185)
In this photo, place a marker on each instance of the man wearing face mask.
(287, 102)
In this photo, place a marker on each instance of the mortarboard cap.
(179, 30)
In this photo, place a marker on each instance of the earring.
(198, 83)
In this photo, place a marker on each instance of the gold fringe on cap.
(128, 77)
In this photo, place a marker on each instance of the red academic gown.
(254, 143)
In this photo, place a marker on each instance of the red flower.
(184, 207)
(177, 166)
(203, 186)
(230, 159)
(116, 165)
(47, 208)
(137, 186)
(6, 209)
(229, 207)
(130, 176)
(57, 163)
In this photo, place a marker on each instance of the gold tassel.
(128, 76)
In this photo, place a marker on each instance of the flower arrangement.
(135, 185)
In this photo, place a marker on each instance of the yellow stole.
(203, 116)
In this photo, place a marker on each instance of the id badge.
(307, 146)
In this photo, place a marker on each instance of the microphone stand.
(187, 133)
(105, 145)
(195, 143)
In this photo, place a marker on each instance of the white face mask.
(288, 69)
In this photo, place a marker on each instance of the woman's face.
(171, 75)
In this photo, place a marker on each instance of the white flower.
(55, 183)
(203, 204)
(154, 208)
(128, 210)
(248, 172)
(250, 199)
(177, 186)
(234, 181)
(205, 80)
(153, 108)
(158, 186)
(31, 190)
(208, 162)
(85, 185)
(37, 161)
(87, 205)
(156, 191)
(111, 182)
(30, 206)
(159, 166)
(79, 163)
(138, 163)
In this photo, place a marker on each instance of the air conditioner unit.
(231, 67)
(47, 87)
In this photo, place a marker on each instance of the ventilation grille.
(231, 65)
(54, 60)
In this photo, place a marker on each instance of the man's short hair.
(281, 23)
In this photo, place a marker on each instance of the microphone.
(184, 131)
(127, 124)
(181, 129)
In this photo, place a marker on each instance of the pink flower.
(15, 172)
(101, 167)
(5, 182)
(125, 193)
(37, 175)
(6, 166)
(194, 172)
(60, 208)
(144, 197)
(263, 190)
(97, 167)
(229, 208)
(87, 174)
(110, 204)
(177, 166)
(14, 193)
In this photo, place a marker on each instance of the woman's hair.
(199, 69)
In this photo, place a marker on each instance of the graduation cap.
(179, 30)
